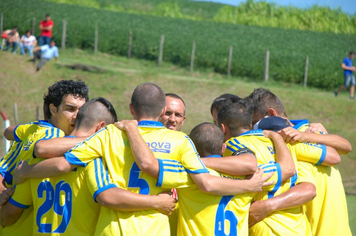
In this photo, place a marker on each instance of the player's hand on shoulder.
(316, 128)
(126, 124)
(259, 180)
(291, 135)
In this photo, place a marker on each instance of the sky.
(347, 6)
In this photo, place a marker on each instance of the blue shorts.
(349, 79)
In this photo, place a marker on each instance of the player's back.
(64, 205)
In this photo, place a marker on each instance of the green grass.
(21, 84)
(288, 48)
(351, 205)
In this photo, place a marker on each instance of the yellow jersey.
(287, 222)
(326, 217)
(60, 203)
(26, 135)
(113, 145)
(201, 213)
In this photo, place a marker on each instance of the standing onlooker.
(349, 77)
(12, 39)
(28, 41)
(46, 28)
(45, 53)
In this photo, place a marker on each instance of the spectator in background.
(12, 39)
(45, 53)
(28, 41)
(46, 28)
(348, 74)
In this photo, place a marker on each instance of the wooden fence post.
(306, 72)
(2, 22)
(266, 66)
(161, 50)
(192, 58)
(229, 62)
(37, 113)
(64, 31)
(96, 40)
(130, 45)
(15, 113)
(33, 26)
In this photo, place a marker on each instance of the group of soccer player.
(252, 172)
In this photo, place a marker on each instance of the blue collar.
(218, 156)
(45, 123)
(150, 124)
(255, 132)
(299, 123)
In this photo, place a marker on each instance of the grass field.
(21, 84)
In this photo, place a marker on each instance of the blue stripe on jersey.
(197, 155)
(13, 155)
(96, 172)
(17, 204)
(323, 155)
(17, 139)
(44, 123)
(201, 171)
(236, 144)
(278, 184)
(161, 172)
(294, 179)
(72, 159)
(100, 190)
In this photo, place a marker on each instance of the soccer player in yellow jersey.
(61, 105)
(325, 217)
(74, 193)
(235, 120)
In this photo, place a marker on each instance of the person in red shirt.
(46, 30)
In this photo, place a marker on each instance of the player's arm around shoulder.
(9, 213)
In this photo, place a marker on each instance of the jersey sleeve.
(276, 177)
(172, 174)
(305, 172)
(20, 132)
(88, 150)
(235, 148)
(98, 177)
(22, 197)
(190, 158)
(9, 162)
(310, 152)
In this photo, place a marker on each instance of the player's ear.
(271, 112)
(163, 111)
(223, 128)
(223, 148)
(100, 126)
(53, 110)
(131, 110)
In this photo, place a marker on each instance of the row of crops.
(321, 19)
(288, 48)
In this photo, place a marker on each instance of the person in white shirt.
(45, 53)
(28, 42)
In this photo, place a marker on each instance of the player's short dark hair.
(148, 99)
(48, 15)
(15, 27)
(219, 101)
(351, 53)
(29, 31)
(96, 110)
(263, 99)
(236, 115)
(173, 95)
(60, 90)
(207, 138)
